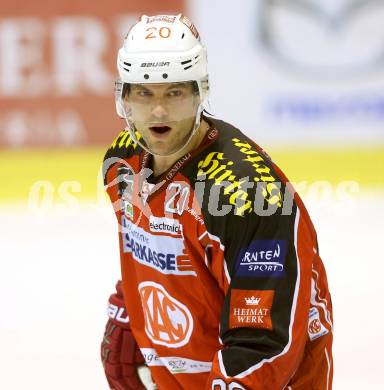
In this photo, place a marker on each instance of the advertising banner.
(57, 69)
(297, 71)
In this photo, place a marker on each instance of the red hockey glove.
(119, 352)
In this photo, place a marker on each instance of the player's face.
(164, 114)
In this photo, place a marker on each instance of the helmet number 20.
(154, 32)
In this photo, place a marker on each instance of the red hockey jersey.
(221, 273)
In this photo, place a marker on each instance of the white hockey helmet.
(162, 49)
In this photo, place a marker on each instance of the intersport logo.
(167, 321)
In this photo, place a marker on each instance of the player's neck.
(161, 164)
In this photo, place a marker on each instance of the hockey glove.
(119, 352)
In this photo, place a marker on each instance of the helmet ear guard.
(119, 97)
(204, 90)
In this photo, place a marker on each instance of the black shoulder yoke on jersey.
(121, 148)
(238, 174)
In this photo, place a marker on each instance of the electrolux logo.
(324, 38)
(164, 225)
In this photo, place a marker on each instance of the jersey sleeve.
(264, 319)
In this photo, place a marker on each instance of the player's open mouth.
(160, 129)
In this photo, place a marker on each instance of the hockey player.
(222, 284)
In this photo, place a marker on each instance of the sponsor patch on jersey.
(163, 253)
(315, 328)
(263, 258)
(164, 225)
(167, 321)
(175, 364)
(251, 308)
(125, 189)
(128, 209)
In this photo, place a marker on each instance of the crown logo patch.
(252, 301)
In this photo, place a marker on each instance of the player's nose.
(159, 111)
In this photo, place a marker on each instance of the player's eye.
(175, 93)
(143, 93)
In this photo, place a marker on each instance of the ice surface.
(58, 269)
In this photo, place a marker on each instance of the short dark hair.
(126, 89)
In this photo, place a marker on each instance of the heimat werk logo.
(329, 38)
